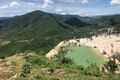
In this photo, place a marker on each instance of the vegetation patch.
(85, 56)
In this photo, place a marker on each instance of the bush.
(92, 70)
(111, 66)
(116, 56)
(26, 69)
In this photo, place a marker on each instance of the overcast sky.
(80, 7)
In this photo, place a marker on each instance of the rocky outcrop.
(107, 44)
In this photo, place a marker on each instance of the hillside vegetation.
(39, 31)
(31, 66)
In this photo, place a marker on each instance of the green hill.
(37, 31)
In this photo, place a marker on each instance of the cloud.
(46, 3)
(75, 1)
(14, 3)
(84, 1)
(115, 2)
(85, 14)
(69, 1)
(10, 4)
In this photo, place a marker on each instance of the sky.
(76, 7)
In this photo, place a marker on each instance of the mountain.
(110, 20)
(37, 31)
(40, 31)
(3, 20)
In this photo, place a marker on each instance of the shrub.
(26, 69)
(111, 66)
(92, 70)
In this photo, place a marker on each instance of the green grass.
(85, 56)
(42, 69)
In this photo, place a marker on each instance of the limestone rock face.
(56, 50)
(107, 44)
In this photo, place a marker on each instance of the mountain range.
(40, 31)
